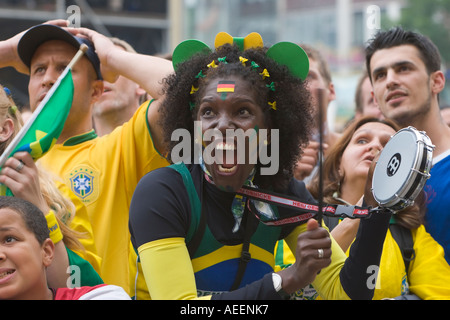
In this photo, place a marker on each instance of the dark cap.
(37, 35)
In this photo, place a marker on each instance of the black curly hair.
(293, 114)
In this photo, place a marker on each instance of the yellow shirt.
(103, 172)
(428, 274)
(82, 225)
(178, 282)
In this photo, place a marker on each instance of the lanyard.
(305, 210)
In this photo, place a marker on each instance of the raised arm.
(8, 49)
(145, 70)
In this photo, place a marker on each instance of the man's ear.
(437, 81)
(97, 89)
(6, 130)
(375, 101)
(48, 252)
(331, 92)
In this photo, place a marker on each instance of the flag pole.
(320, 106)
(83, 48)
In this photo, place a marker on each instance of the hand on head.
(13, 56)
(104, 48)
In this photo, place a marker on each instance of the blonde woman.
(76, 262)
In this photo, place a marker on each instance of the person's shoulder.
(98, 292)
(443, 158)
(296, 187)
(171, 177)
(105, 292)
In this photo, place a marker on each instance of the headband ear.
(292, 56)
(285, 53)
(222, 38)
(252, 40)
(186, 50)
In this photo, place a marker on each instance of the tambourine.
(400, 174)
(402, 169)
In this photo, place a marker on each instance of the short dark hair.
(33, 217)
(397, 36)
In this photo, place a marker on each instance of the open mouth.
(227, 168)
(227, 151)
(7, 273)
(369, 158)
(42, 96)
(395, 97)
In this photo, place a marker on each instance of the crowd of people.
(110, 203)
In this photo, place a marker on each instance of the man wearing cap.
(101, 171)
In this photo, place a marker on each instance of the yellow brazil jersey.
(428, 274)
(103, 172)
(81, 224)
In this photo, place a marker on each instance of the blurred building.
(142, 23)
(339, 28)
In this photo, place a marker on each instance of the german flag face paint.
(225, 87)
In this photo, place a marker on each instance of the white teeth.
(225, 146)
(228, 170)
(4, 274)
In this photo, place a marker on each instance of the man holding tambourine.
(405, 72)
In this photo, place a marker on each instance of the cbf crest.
(83, 181)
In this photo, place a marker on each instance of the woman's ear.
(48, 252)
(6, 130)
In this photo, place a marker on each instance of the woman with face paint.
(197, 233)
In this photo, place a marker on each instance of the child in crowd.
(26, 251)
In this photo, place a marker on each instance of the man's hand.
(308, 161)
(312, 243)
(104, 48)
(9, 57)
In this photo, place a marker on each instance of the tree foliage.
(431, 18)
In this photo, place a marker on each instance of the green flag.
(49, 122)
(45, 125)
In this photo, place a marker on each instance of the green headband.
(285, 53)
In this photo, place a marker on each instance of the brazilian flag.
(49, 122)
(45, 125)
